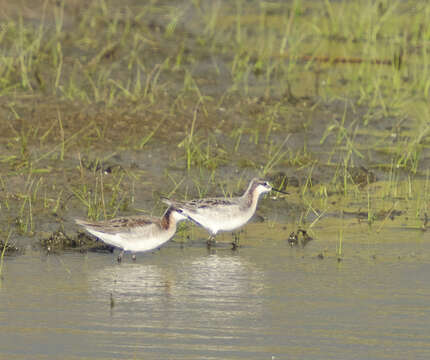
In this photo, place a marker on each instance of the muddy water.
(264, 301)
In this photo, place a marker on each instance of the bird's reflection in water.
(191, 287)
(132, 282)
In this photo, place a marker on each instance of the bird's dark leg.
(120, 256)
(235, 243)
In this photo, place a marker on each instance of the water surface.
(265, 301)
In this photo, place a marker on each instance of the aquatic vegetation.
(185, 97)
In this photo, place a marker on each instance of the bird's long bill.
(280, 191)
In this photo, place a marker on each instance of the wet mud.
(58, 242)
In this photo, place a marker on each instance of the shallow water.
(265, 301)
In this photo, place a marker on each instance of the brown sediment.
(339, 59)
(60, 241)
(294, 239)
(10, 248)
(362, 176)
(378, 215)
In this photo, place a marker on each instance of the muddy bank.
(104, 109)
